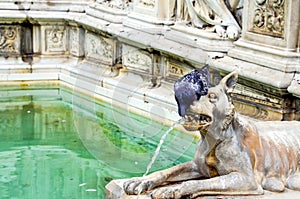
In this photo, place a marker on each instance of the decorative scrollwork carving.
(269, 17)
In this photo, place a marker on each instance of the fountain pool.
(59, 144)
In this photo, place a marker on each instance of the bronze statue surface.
(236, 156)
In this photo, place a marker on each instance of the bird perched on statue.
(190, 88)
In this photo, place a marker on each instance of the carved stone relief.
(55, 39)
(100, 48)
(269, 17)
(136, 59)
(9, 39)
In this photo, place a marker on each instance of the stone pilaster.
(76, 42)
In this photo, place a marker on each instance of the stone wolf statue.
(236, 156)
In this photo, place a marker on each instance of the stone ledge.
(254, 72)
(54, 5)
(114, 190)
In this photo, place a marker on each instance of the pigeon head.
(185, 95)
(190, 88)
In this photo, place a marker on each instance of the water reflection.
(50, 148)
(41, 155)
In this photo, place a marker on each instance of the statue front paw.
(221, 31)
(167, 193)
(233, 32)
(138, 185)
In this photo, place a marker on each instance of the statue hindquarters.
(280, 142)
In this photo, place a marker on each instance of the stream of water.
(162, 139)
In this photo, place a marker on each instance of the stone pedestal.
(268, 54)
(270, 35)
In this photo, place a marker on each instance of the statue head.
(214, 110)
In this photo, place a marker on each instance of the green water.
(55, 145)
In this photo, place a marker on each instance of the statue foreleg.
(234, 183)
(185, 171)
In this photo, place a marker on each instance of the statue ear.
(229, 81)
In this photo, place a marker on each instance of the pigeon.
(190, 88)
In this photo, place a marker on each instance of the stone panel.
(54, 39)
(136, 59)
(99, 48)
(10, 40)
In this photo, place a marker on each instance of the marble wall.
(159, 41)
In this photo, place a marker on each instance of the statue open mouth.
(204, 119)
(197, 121)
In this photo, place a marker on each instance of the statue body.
(236, 156)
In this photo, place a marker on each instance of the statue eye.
(212, 97)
